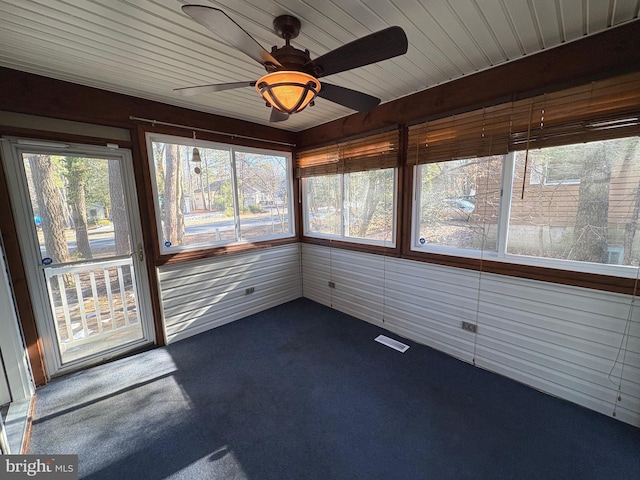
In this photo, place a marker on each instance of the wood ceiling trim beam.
(28, 93)
(606, 54)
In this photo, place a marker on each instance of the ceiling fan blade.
(378, 46)
(349, 98)
(214, 87)
(222, 25)
(278, 116)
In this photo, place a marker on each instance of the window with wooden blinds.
(600, 110)
(479, 133)
(359, 155)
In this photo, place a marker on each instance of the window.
(323, 205)
(349, 190)
(234, 194)
(593, 218)
(356, 206)
(458, 203)
(552, 181)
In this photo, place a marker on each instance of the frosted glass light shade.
(288, 91)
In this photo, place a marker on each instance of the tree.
(97, 187)
(118, 210)
(173, 199)
(77, 173)
(592, 218)
(50, 207)
(367, 190)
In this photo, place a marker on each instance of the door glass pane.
(79, 215)
(78, 207)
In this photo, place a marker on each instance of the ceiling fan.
(291, 82)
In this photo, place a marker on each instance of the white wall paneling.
(203, 294)
(560, 339)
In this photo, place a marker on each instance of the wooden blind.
(596, 111)
(366, 153)
(478, 133)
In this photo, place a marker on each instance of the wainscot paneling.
(203, 294)
(563, 340)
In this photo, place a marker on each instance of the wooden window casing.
(600, 110)
(362, 154)
(372, 152)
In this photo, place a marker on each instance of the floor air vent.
(390, 342)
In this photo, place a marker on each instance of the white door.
(76, 212)
(15, 378)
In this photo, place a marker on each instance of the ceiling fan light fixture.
(288, 91)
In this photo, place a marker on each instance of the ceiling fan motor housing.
(291, 58)
(286, 26)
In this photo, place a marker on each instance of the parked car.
(457, 209)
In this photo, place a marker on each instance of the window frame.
(342, 237)
(151, 137)
(501, 255)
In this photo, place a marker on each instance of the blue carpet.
(303, 392)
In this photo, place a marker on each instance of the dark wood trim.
(210, 137)
(606, 54)
(297, 201)
(20, 287)
(27, 433)
(37, 95)
(191, 255)
(407, 205)
(405, 190)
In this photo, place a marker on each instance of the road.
(104, 239)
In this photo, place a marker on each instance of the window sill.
(189, 255)
(389, 251)
(595, 281)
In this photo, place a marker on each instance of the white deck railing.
(93, 302)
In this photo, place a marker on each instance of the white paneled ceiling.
(146, 48)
